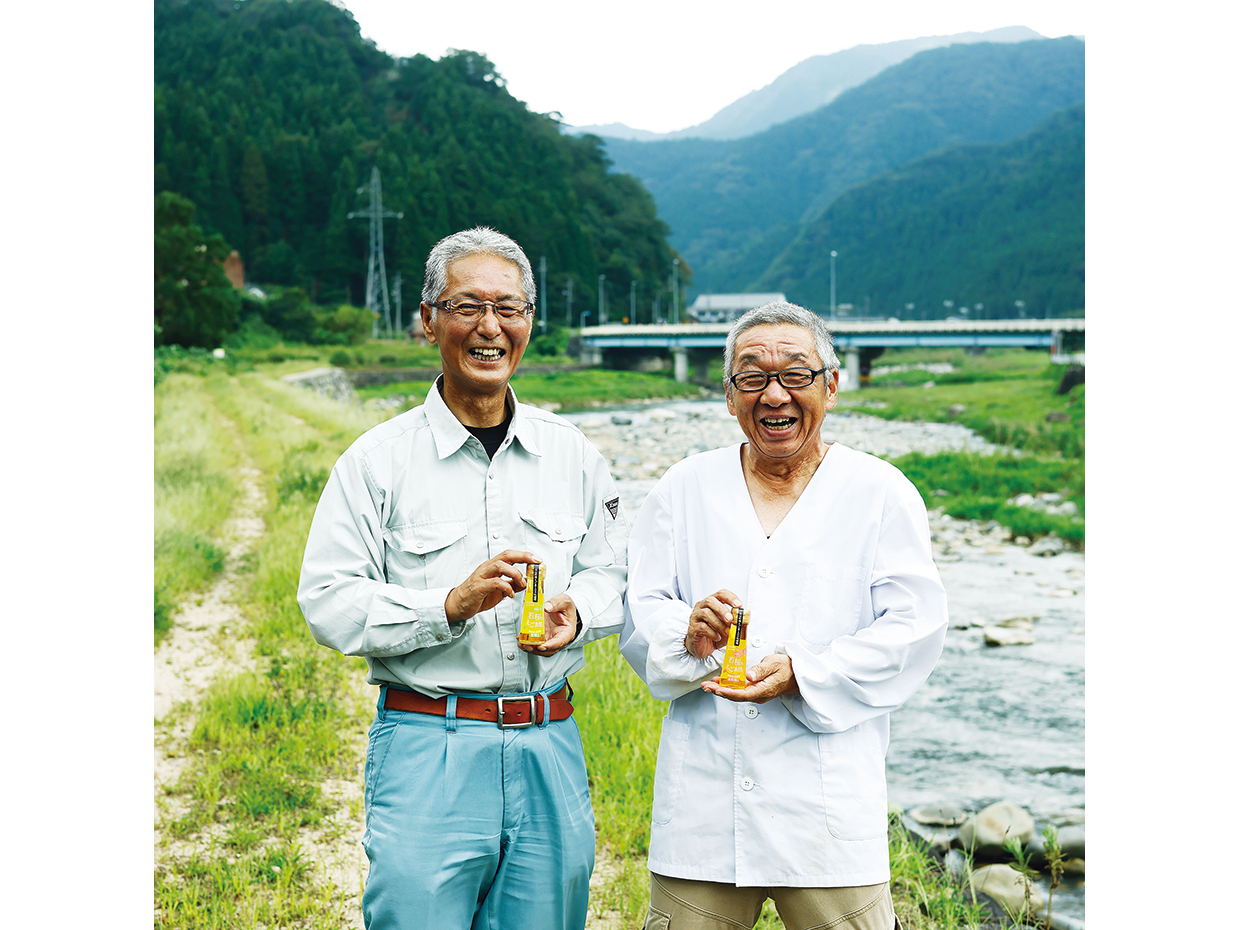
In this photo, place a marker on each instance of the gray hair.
(479, 240)
(775, 313)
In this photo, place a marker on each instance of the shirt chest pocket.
(831, 604)
(554, 536)
(426, 555)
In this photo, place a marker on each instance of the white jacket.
(791, 792)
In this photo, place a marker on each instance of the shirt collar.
(450, 435)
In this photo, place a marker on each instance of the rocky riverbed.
(1002, 718)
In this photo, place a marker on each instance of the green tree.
(353, 323)
(291, 315)
(195, 303)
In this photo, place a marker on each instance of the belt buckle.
(515, 726)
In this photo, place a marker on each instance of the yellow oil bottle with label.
(732, 675)
(533, 625)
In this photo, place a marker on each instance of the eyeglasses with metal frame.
(470, 311)
(792, 378)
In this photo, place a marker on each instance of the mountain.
(817, 81)
(271, 114)
(805, 87)
(733, 206)
(988, 224)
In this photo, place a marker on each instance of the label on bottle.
(533, 627)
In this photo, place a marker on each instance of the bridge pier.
(680, 363)
(852, 364)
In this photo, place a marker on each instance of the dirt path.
(204, 645)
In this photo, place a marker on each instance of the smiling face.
(478, 358)
(783, 426)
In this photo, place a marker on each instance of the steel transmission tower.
(376, 271)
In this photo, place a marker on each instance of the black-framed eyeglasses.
(470, 311)
(753, 381)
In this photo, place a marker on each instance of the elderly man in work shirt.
(477, 808)
(777, 789)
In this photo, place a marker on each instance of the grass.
(1010, 397)
(263, 742)
(561, 390)
(195, 486)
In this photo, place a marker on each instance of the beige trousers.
(682, 904)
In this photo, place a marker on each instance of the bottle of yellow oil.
(533, 626)
(733, 673)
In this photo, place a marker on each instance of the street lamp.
(675, 290)
(1020, 308)
(584, 314)
(833, 253)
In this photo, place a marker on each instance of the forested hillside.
(270, 114)
(734, 206)
(972, 224)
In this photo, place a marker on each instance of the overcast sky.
(663, 65)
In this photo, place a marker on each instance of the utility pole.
(833, 284)
(632, 302)
(396, 300)
(568, 311)
(542, 292)
(376, 271)
(602, 310)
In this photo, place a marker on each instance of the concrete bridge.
(699, 345)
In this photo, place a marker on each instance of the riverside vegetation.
(265, 743)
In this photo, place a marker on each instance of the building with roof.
(724, 308)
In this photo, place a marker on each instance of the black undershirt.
(492, 437)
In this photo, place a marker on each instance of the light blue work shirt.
(414, 506)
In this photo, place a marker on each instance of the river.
(991, 723)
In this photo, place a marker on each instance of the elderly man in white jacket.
(777, 789)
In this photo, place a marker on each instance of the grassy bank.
(1009, 396)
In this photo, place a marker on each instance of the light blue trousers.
(470, 827)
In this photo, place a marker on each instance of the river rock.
(1072, 841)
(987, 831)
(1007, 886)
(935, 838)
(942, 814)
(620, 419)
(1008, 636)
(1047, 546)
(1017, 623)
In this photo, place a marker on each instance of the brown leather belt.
(525, 710)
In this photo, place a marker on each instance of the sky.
(662, 66)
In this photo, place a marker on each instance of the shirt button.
(511, 656)
(764, 572)
(757, 641)
(495, 535)
(751, 711)
(747, 784)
